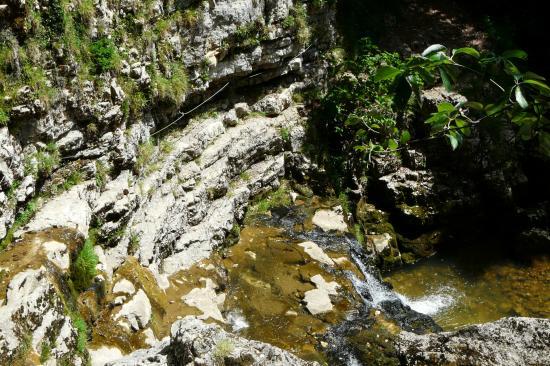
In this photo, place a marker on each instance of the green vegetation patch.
(83, 267)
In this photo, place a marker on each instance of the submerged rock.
(318, 300)
(316, 253)
(509, 341)
(206, 300)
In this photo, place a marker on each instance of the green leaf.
(405, 136)
(453, 140)
(494, 109)
(446, 79)
(473, 105)
(392, 144)
(511, 69)
(520, 98)
(522, 55)
(445, 107)
(467, 51)
(532, 76)
(543, 87)
(386, 73)
(432, 49)
(524, 117)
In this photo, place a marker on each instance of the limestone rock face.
(70, 210)
(34, 308)
(185, 208)
(193, 342)
(509, 341)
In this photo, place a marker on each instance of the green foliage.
(20, 220)
(250, 34)
(245, 176)
(361, 116)
(43, 162)
(146, 153)
(297, 21)
(223, 349)
(345, 203)
(101, 174)
(104, 55)
(133, 244)
(359, 233)
(83, 267)
(54, 19)
(86, 10)
(285, 135)
(45, 351)
(279, 198)
(82, 331)
(23, 350)
(518, 97)
(75, 177)
(171, 89)
(4, 117)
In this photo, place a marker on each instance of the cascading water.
(378, 292)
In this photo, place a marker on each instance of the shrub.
(300, 23)
(86, 10)
(278, 198)
(285, 135)
(43, 162)
(173, 88)
(104, 55)
(250, 34)
(83, 268)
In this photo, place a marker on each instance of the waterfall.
(378, 292)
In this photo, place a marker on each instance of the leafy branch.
(521, 98)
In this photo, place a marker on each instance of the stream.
(258, 288)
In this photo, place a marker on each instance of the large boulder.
(193, 342)
(509, 341)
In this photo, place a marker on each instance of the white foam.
(430, 304)
(237, 321)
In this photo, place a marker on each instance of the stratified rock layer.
(509, 341)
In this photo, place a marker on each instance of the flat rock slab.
(330, 219)
(316, 252)
(206, 300)
(318, 300)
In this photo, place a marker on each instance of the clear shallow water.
(462, 290)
